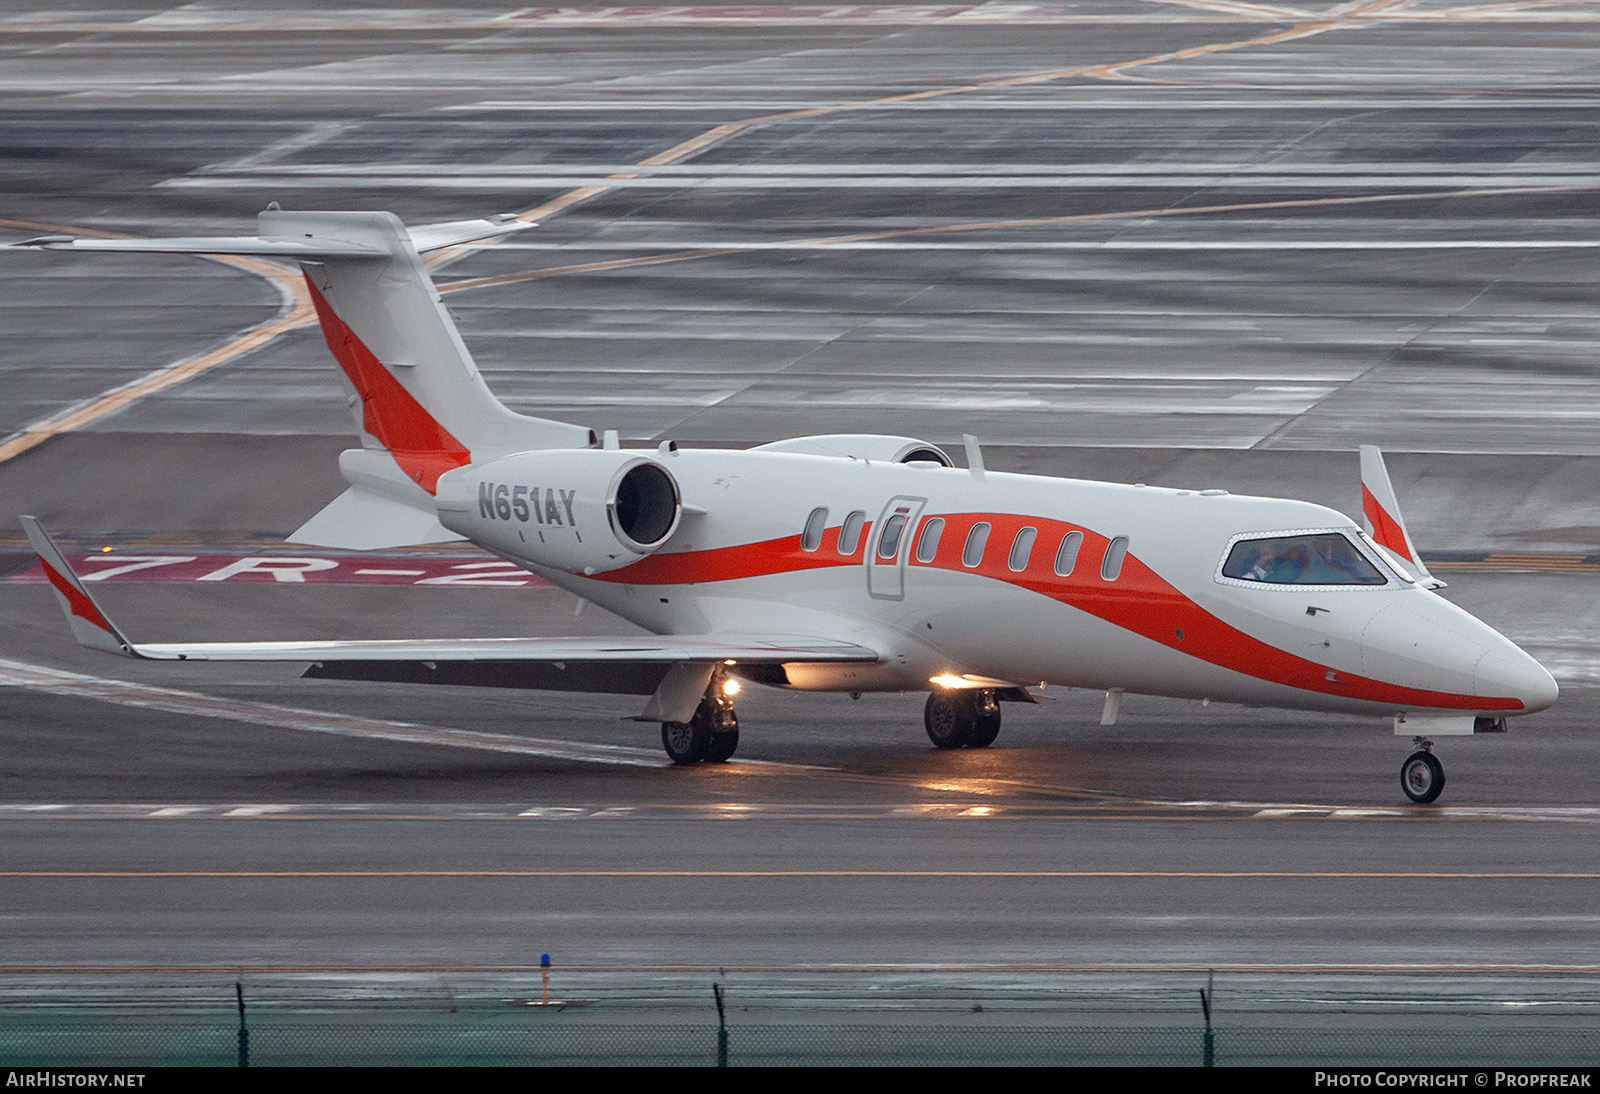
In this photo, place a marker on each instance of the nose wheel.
(1422, 775)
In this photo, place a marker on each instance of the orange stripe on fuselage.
(1385, 529)
(773, 556)
(1139, 600)
(422, 447)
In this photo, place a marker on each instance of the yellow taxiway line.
(297, 311)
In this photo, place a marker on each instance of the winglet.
(1380, 512)
(89, 624)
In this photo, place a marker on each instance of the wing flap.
(653, 649)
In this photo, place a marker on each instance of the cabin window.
(977, 539)
(1324, 559)
(1021, 548)
(816, 524)
(889, 539)
(850, 533)
(1111, 565)
(928, 539)
(1067, 554)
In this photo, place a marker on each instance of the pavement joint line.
(668, 875)
(999, 225)
(831, 968)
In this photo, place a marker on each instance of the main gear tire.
(951, 717)
(686, 742)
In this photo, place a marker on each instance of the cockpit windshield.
(1322, 558)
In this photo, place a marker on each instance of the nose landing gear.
(1422, 775)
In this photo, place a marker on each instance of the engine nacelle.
(581, 510)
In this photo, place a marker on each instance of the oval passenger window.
(977, 539)
(1021, 548)
(816, 523)
(928, 540)
(1067, 555)
(850, 534)
(1115, 553)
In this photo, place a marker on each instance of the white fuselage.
(1164, 622)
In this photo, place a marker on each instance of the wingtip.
(89, 624)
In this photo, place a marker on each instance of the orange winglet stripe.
(422, 447)
(1385, 529)
(80, 605)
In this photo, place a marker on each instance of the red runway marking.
(290, 569)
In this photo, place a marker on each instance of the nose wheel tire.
(1422, 777)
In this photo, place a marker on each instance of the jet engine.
(580, 510)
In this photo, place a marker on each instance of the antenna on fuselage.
(974, 454)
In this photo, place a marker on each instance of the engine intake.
(644, 506)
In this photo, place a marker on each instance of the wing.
(502, 662)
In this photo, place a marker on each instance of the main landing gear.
(1422, 775)
(712, 734)
(962, 718)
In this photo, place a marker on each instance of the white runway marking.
(1065, 245)
(20, 674)
(361, 178)
(990, 812)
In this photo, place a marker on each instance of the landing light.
(730, 687)
(947, 680)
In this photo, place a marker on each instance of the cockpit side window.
(1324, 558)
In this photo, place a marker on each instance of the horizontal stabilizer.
(358, 520)
(424, 237)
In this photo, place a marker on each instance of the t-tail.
(420, 404)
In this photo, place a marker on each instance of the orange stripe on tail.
(422, 447)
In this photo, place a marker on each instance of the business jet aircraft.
(837, 563)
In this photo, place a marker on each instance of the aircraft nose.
(1510, 672)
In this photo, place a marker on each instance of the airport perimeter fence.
(148, 1031)
(139, 1044)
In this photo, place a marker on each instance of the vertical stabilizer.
(414, 387)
